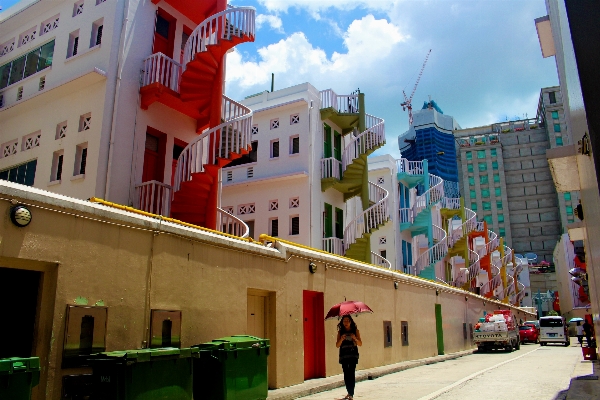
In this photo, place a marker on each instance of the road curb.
(333, 382)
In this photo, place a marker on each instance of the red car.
(528, 333)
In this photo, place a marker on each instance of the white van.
(553, 330)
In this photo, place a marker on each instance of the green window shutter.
(556, 127)
(485, 193)
(569, 210)
(559, 141)
(328, 221)
(496, 178)
(339, 223)
(498, 204)
(469, 155)
(473, 194)
(470, 167)
(482, 166)
(471, 181)
(483, 179)
(488, 219)
(567, 196)
(502, 232)
(327, 143)
(494, 164)
(493, 152)
(500, 217)
(480, 154)
(498, 191)
(337, 146)
(554, 114)
(474, 206)
(487, 206)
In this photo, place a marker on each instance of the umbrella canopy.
(348, 308)
(576, 319)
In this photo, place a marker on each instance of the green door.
(439, 329)
(339, 223)
(337, 148)
(327, 141)
(328, 221)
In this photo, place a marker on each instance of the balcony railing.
(347, 104)
(334, 245)
(231, 224)
(331, 168)
(158, 68)
(410, 167)
(378, 260)
(154, 197)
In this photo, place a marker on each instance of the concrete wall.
(93, 254)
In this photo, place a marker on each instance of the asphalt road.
(532, 373)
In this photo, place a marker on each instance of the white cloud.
(368, 42)
(316, 6)
(272, 20)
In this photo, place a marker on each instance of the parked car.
(553, 329)
(535, 323)
(529, 333)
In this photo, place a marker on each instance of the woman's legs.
(349, 377)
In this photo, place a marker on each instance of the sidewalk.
(585, 386)
(323, 384)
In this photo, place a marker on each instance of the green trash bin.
(232, 368)
(149, 374)
(18, 376)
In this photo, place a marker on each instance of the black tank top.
(348, 350)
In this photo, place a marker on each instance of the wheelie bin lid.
(233, 342)
(143, 355)
(16, 364)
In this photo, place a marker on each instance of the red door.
(164, 33)
(151, 196)
(314, 335)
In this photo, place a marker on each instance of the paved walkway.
(324, 384)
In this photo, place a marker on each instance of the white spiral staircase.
(434, 254)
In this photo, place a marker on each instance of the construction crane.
(407, 105)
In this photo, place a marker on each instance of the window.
(294, 225)
(57, 166)
(469, 155)
(42, 84)
(246, 209)
(554, 114)
(382, 240)
(495, 165)
(552, 97)
(559, 141)
(483, 180)
(27, 36)
(61, 130)
(229, 176)
(294, 145)
(26, 65)
(78, 8)
(471, 181)
(274, 227)
(502, 232)
(294, 119)
(404, 332)
(469, 167)
(488, 219)
(254, 129)
(19, 93)
(569, 210)
(273, 205)
(556, 127)
(30, 141)
(275, 148)
(496, 178)
(73, 44)
(85, 122)
(9, 148)
(498, 204)
(485, 192)
(474, 206)
(567, 196)
(493, 153)
(482, 167)
(7, 47)
(500, 218)
(380, 180)
(481, 154)
(487, 206)
(49, 24)
(472, 194)
(23, 174)
(498, 191)
(387, 333)
(80, 160)
(274, 123)
(250, 172)
(295, 202)
(96, 38)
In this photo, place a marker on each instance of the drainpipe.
(116, 99)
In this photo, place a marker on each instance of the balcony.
(342, 110)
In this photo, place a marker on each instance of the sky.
(485, 64)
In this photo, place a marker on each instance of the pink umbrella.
(348, 308)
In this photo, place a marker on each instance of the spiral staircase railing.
(371, 138)
(371, 218)
(432, 196)
(465, 228)
(435, 253)
(231, 224)
(410, 167)
(231, 136)
(238, 21)
(377, 259)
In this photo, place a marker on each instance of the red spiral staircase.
(195, 88)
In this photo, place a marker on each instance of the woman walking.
(348, 340)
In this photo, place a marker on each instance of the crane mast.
(407, 105)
